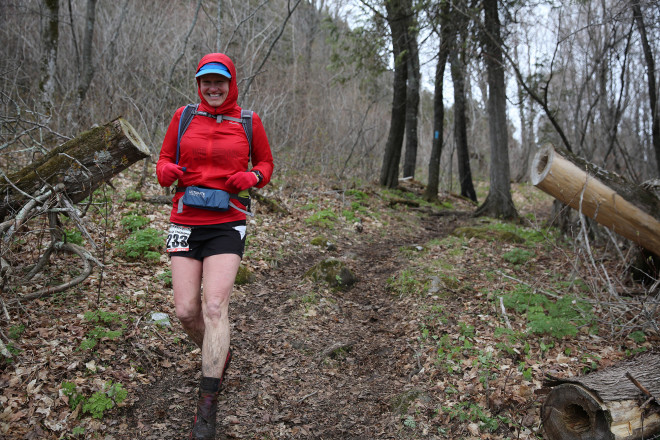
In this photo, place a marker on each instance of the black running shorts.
(207, 240)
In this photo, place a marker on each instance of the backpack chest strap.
(218, 118)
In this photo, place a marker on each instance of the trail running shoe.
(207, 407)
(204, 425)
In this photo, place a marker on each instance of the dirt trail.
(308, 362)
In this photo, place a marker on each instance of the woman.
(213, 153)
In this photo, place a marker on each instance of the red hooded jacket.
(211, 151)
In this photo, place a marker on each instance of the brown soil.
(336, 376)
(376, 360)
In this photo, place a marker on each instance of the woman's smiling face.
(214, 88)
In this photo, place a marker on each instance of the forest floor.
(417, 347)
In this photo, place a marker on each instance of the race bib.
(177, 238)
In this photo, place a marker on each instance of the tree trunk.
(431, 190)
(616, 403)
(626, 209)
(50, 39)
(412, 104)
(87, 72)
(389, 173)
(460, 125)
(82, 164)
(650, 66)
(498, 203)
(527, 117)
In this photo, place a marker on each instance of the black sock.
(211, 384)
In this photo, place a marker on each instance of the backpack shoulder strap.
(184, 122)
(246, 120)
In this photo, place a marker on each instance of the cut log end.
(573, 413)
(134, 137)
(541, 164)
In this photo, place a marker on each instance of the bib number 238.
(177, 238)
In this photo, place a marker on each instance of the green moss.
(244, 276)
(319, 241)
(485, 233)
(323, 219)
(332, 271)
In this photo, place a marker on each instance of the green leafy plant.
(73, 236)
(166, 278)
(310, 298)
(357, 194)
(133, 196)
(70, 391)
(97, 316)
(143, 244)
(87, 344)
(101, 332)
(638, 336)
(101, 401)
(409, 422)
(518, 256)
(468, 411)
(486, 366)
(324, 219)
(447, 355)
(558, 318)
(133, 222)
(104, 331)
(406, 282)
(15, 331)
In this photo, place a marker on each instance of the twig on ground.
(86, 258)
(506, 317)
(308, 395)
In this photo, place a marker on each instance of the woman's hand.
(170, 173)
(242, 180)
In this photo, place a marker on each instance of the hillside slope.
(418, 347)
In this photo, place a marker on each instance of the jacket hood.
(230, 102)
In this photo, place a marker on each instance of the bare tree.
(50, 39)
(650, 75)
(458, 59)
(498, 203)
(397, 18)
(446, 35)
(412, 99)
(87, 62)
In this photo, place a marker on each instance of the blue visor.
(218, 68)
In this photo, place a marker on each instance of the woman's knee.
(216, 308)
(187, 314)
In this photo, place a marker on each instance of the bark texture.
(81, 164)
(616, 403)
(650, 74)
(397, 20)
(498, 203)
(625, 208)
(458, 60)
(412, 104)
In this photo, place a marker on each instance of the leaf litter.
(418, 347)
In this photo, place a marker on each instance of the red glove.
(169, 173)
(242, 180)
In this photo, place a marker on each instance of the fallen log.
(625, 208)
(621, 402)
(81, 164)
